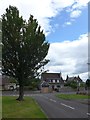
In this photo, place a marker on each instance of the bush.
(71, 84)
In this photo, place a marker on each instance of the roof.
(51, 76)
(74, 78)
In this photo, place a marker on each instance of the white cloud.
(76, 9)
(43, 10)
(80, 4)
(69, 57)
(75, 14)
(67, 23)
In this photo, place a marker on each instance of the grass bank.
(28, 108)
(72, 96)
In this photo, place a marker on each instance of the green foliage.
(12, 80)
(24, 46)
(82, 84)
(32, 84)
(88, 83)
(72, 84)
(72, 96)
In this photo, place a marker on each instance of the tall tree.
(24, 47)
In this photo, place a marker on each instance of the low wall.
(46, 90)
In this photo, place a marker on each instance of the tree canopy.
(24, 47)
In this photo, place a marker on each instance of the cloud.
(69, 57)
(43, 10)
(79, 4)
(76, 9)
(75, 14)
(67, 23)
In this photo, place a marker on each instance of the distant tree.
(34, 84)
(72, 84)
(24, 48)
(88, 83)
(67, 78)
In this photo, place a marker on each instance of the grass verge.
(28, 108)
(72, 96)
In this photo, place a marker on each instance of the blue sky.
(68, 32)
(65, 24)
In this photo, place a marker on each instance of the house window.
(53, 81)
(49, 81)
(57, 81)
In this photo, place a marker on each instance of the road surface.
(55, 107)
(58, 108)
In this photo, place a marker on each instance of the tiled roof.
(74, 78)
(51, 75)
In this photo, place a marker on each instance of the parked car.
(13, 86)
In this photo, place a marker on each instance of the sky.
(65, 24)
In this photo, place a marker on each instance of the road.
(54, 107)
(58, 108)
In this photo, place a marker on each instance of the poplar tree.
(24, 48)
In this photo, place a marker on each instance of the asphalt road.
(58, 108)
(54, 107)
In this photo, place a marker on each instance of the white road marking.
(88, 113)
(14, 95)
(53, 100)
(67, 106)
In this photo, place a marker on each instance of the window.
(57, 81)
(53, 81)
(49, 81)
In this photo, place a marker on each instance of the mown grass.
(28, 108)
(72, 96)
(0, 107)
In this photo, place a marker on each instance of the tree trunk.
(21, 93)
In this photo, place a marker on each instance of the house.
(54, 80)
(6, 84)
(76, 79)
